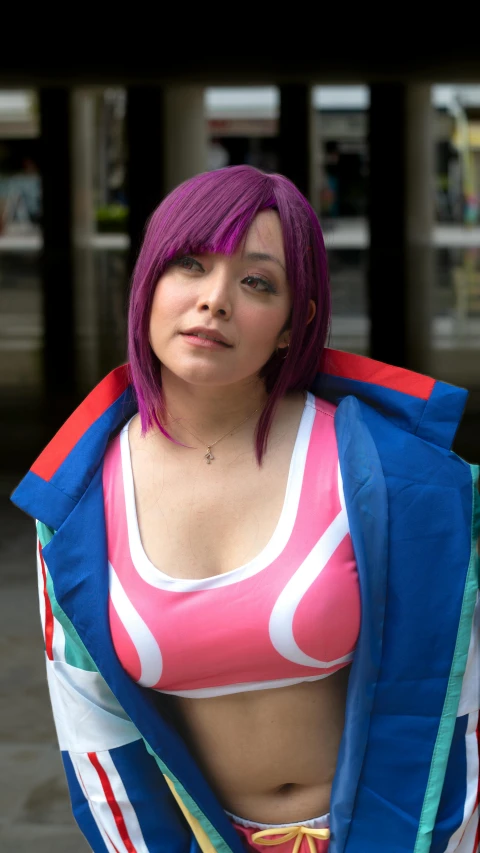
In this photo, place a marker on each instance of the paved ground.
(35, 814)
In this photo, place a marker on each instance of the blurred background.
(389, 156)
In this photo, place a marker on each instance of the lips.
(208, 334)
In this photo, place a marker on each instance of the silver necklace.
(208, 456)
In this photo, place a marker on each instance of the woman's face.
(244, 297)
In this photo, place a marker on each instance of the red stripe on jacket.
(114, 807)
(362, 369)
(48, 609)
(101, 829)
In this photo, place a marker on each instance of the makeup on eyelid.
(259, 279)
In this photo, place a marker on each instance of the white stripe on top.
(145, 643)
(283, 613)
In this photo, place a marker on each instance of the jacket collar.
(60, 475)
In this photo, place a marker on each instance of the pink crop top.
(291, 614)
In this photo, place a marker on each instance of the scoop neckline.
(279, 538)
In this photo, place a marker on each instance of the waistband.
(321, 822)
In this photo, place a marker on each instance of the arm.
(120, 799)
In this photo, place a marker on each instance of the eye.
(188, 263)
(261, 285)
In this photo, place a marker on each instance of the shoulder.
(134, 429)
(323, 407)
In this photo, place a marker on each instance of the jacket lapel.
(366, 503)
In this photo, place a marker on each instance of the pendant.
(209, 457)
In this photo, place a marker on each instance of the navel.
(287, 788)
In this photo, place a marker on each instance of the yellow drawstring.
(289, 833)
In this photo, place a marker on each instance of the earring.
(286, 352)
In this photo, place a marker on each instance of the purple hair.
(212, 212)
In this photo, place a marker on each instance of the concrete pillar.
(87, 326)
(185, 134)
(57, 256)
(401, 221)
(419, 212)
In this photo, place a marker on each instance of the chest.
(204, 520)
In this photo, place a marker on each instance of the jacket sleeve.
(119, 797)
(457, 828)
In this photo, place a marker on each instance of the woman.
(256, 561)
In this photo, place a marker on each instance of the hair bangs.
(213, 217)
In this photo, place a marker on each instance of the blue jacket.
(408, 772)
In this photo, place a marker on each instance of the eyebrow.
(263, 256)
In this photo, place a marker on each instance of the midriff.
(270, 755)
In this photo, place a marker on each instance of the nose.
(215, 294)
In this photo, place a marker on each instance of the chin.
(199, 375)
(210, 377)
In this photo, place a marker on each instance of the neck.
(208, 411)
